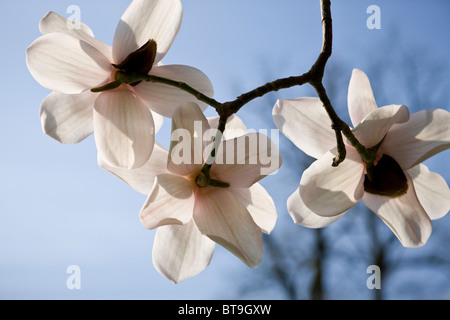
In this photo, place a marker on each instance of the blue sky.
(57, 208)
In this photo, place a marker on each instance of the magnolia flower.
(398, 188)
(71, 62)
(190, 219)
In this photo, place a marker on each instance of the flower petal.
(181, 252)
(234, 128)
(244, 160)
(164, 99)
(63, 63)
(374, 127)
(404, 215)
(186, 147)
(431, 190)
(141, 179)
(424, 135)
(300, 213)
(53, 22)
(360, 97)
(68, 118)
(158, 120)
(316, 136)
(329, 191)
(171, 201)
(124, 129)
(159, 20)
(259, 204)
(224, 219)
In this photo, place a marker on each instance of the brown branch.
(314, 77)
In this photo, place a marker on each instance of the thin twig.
(314, 77)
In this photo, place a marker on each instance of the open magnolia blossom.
(189, 218)
(71, 62)
(396, 186)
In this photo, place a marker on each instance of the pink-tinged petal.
(360, 97)
(159, 20)
(234, 128)
(68, 118)
(259, 204)
(425, 134)
(181, 252)
(404, 215)
(329, 191)
(245, 160)
(164, 99)
(224, 219)
(53, 22)
(186, 147)
(141, 179)
(431, 190)
(158, 120)
(171, 201)
(300, 213)
(63, 63)
(305, 122)
(124, 129)
(374, 127)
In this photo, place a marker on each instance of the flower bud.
(139, 61)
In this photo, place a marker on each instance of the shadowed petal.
(63, 63)
(143, 20)
(186, 147)
(305, 122)
(404, 215)
(374, 127)
(220, 216)
(180, 252)
(300, 213)
(431, 190)
(141, 179)
(68, 118)
(244, 160)
(124, 129)
(329, 191)
(53, 22)
(171, 201)
(425, 134)
(233, 129)
(259, 204)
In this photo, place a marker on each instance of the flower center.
(203, 180)
(139, 61)
(133, 68)
(386, 178)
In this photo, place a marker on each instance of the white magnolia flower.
(400, 190)
(71, 62)
(190, 219)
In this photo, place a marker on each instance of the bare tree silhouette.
(330, 263)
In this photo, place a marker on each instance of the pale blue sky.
(57, 208)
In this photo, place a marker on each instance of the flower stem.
(108, 86)
(185, 87)
(204, 177)
(314, 77)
